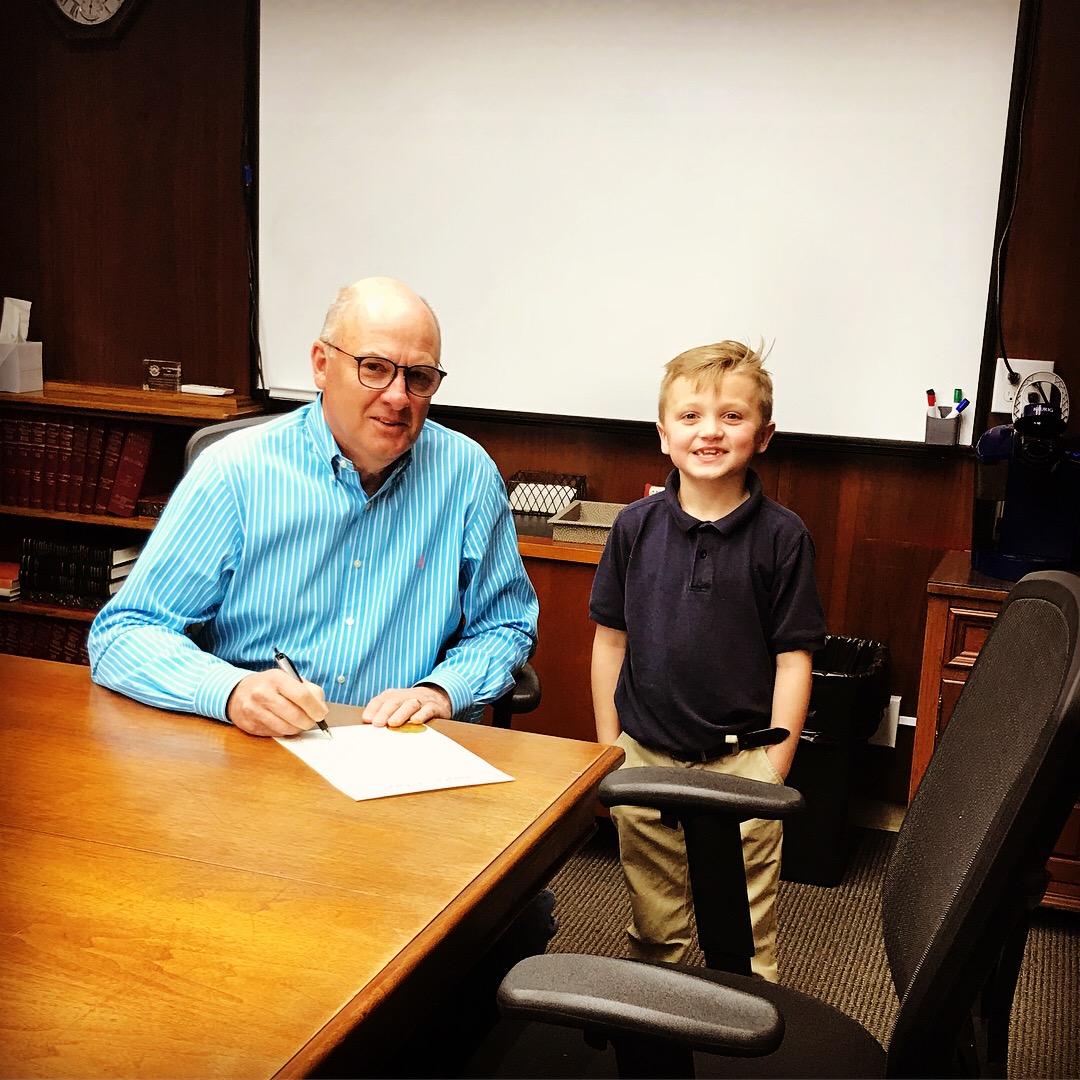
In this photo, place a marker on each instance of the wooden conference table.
(181, 899)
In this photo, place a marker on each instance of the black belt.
(732, 744)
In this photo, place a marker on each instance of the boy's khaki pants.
(654, 864)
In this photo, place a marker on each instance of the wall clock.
(92, 20)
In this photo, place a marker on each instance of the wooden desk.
(181, 899)
(961, 606)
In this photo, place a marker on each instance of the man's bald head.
(375, 299)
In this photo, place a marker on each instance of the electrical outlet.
(1005, 391)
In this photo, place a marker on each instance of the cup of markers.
(943, 421)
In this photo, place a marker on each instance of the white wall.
(584, 189)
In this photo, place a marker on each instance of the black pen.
(289, 668)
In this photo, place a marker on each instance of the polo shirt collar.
(726, 525)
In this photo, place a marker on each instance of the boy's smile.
(711, 433)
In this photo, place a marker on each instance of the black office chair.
(967, 869)
(206, 436)
(522, 697)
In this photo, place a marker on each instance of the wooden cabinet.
(59, 632)
(562, 575)
(961, 606)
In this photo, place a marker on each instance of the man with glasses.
(373, 548)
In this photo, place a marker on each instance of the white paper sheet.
(367, 762)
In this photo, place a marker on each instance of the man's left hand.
(414, 705)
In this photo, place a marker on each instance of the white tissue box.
(20, 367)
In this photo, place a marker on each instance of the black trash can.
(849, 694)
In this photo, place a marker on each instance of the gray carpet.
(830, 946)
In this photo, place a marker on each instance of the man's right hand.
(273, 703)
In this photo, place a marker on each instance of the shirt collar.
(326, 448)
(328, 451)
(725, 525)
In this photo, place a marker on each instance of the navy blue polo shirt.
(706, 607)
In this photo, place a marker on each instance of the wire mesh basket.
(543, 493)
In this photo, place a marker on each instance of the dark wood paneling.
(122, 195)
(564, 652)
(1041, 307)
(618, 466)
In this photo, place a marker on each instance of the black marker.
(287, 666)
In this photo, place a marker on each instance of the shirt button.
(357, 564)
(349, 621)
(341, 678)
(702, 554)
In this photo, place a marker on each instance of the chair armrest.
(671, 790)
(625, 997)
(522, 697)
(526, 692)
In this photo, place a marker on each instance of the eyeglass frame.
(397, 367)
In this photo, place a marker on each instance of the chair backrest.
(976, 838)
(204, 437)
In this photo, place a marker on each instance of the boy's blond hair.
(706, 366)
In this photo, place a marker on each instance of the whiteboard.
(583, 189)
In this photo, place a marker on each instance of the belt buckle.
(730, 746)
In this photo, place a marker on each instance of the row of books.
(43, 638)
(9, 581)
(77, 466)
(73, 575)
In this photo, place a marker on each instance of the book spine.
(56, 641)
(131, 472)
(78, 466)
(63, 465)
(110, 461)
(43, 632)
(9, 476)
(95, 438)
(70, 574)
(151, 505)
(37, 463)
(22, 635)
(49, 468)
(25, 454)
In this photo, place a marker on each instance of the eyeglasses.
(377, 373)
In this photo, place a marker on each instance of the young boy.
(707, 613)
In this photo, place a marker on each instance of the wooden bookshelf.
(50, 611)
(61, 630)
(144, 524)
(134, 401)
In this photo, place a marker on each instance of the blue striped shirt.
(271, 541)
